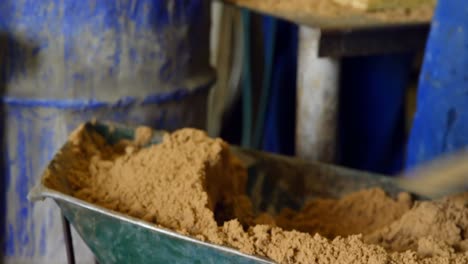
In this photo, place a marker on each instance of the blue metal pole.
(441, 120)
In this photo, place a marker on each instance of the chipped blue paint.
(10, 247)
(63, 62)
(21, 232)
(441, 120)
(37, 131)
(134, 38)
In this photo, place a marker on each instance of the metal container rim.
(40, 192)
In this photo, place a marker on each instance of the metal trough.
(274, 182)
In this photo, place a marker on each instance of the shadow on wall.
(17, 57)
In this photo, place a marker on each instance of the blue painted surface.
(63, 62)
(36, 132)
(372, 114)
(441, 121)
(280, 123)
(64, 43)
(67, 104)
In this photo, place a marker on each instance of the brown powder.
(428, 228)
(143, 136)
(176, 184)
(360, 213)
(194, 185)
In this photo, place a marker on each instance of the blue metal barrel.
(65, 62)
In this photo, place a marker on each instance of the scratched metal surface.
(274, 182)
(441, 121)
(63, 62)
(65, 48)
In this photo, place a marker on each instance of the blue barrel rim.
(151, 99)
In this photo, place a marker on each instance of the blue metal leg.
(441, 121)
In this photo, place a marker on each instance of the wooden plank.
(373, 5)
(327, 14)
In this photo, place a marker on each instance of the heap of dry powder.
(195, 186)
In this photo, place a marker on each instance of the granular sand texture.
(194, 185)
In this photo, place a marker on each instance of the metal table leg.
(68, 241)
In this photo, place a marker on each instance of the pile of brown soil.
(183, 181)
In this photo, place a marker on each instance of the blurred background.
(255, 80)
